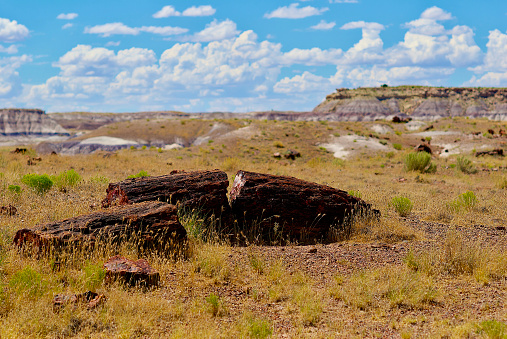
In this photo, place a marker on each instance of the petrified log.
(495, 152)
(267, 204)
(423, 148)
(151, 225)
(131, 272)
(205, 191)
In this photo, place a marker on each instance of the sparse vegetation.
(402, 205)
(396, 277)
(419, 161)
(141, 174)
(40, 183)
(465, 165)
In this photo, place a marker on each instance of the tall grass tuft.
(419, 161)
(402, 205)
(66, 179)
(465, 165)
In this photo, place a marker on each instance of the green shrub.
(419, 161)
(402, 205)
(27, 282)
(141, 174)
(493, 329)
(356, 194)
(215, 305)
(397, 147)
(465, 200)
(258, 328)
(66, 179)
(40, 183)
(93, 276)
(465, 165)
(14, 189)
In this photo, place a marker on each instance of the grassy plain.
(439, 271)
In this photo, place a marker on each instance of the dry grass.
(453, 287)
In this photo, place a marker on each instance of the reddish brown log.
(131, 272)
(152, 225)
(495, 152)
(205, 191)
(301, 210)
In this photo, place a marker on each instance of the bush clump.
(141, 174)
(419, 161)
(14, 189)
(66, 179)
(41, 183)
(465, 165)
(465, 200)
(402, 205)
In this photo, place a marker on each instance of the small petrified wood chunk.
(205, 191)
(135, 273)
(265, 204)
(152, 225)
(495, 152)
(90, 299)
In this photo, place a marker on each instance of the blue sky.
(199, 56)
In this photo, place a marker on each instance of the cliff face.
(28, 122)
(425, 103)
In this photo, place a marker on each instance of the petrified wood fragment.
(152, 225)
(90, 299)
(269, 204)
(495, 152)
(205, 191)
(130, 272)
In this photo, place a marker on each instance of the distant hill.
(28, 122)
(419, 102)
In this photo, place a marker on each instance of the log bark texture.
(302, 210)
(152, 225)
(205, 191)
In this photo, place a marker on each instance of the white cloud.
(294, 12)
(343, 1)
(12, 49)
(304, 83)
(495, 59)
(10, 82)
(370, 48)
(165, 30)
(214, 31)
(166, 12)
(323, 25)
(117, 28)
(67, 25)
(11, 31)
(312, 57)
(199, 11)
(109, 29)
(68, 16)
(113, 43)
(436, 13)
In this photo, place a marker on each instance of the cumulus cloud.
(293, 11)
(113, 28)
(12, 49)
(118, 28)
(68, 25)
(370, 48)
(214, 31)
(306, 82)
(323, 25)
(167, 11)
(11, 31)
(68, 16)
(343, 1)
(312, 57)
(10, 82)
(436, 13)
(199, 11)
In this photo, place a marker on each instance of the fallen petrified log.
(150, 225)
(131, 272)
(495, 152)
(205, 191)
(270, 206)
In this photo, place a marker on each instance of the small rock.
(292, 154)
(8, 210)
(423, 148)
(90, 299)
(131, 272)
(312, 250)
(277, 155)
